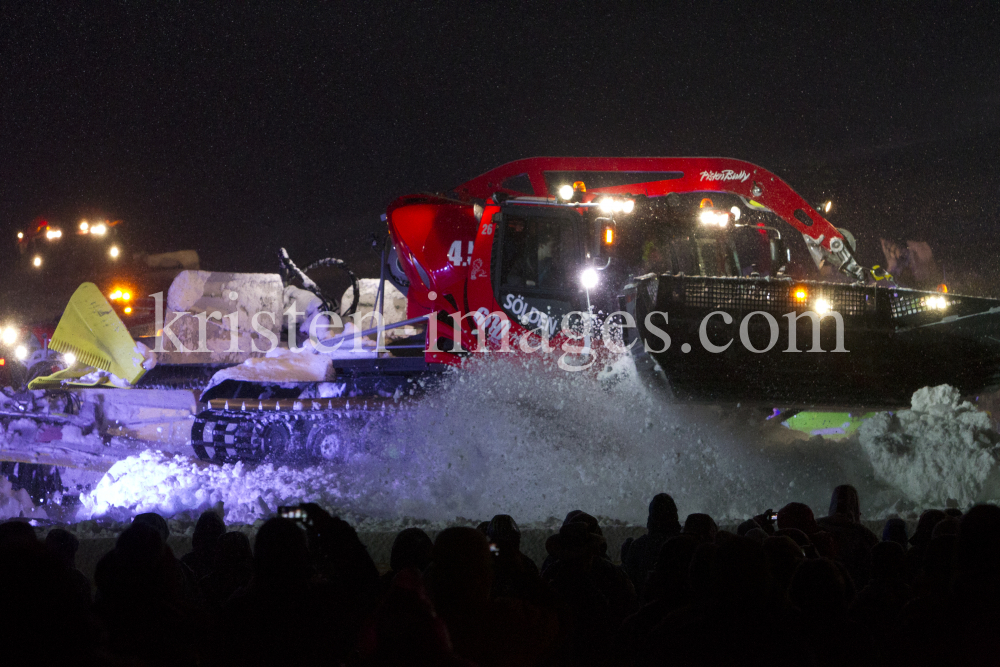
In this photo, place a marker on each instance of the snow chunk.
(279, 365)
(939, 449)
(14, 504)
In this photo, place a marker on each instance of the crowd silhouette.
(784, 588)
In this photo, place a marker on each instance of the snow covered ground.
(520, 437)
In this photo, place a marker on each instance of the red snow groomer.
(696, 256)
(723, 284)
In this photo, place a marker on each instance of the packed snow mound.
(170, 484)
(941, 448)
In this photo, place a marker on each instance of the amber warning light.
(609, 235)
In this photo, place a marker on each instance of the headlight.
(37, 261)
(100, 229)
(114, 252)
(69, 358)
(822, 307)
(52, 234)
(588, 279)
(713, 217)
(566, 192)
(936, 302)
(21, 353)
(9, 336)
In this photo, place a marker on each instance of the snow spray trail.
(521, 437)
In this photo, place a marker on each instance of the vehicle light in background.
(3, 362)
(37, 261)
(84, 226)
(822, 306)
(100, 229)
(52, 234)
(69, 358)
(800, 294)
(588, 279)
(128, 310)
(114, 252)
(114, 296)
(21, 353)
(566, 192)
(827, 206)
(20, 235)
(9, 336)
(126, 296)
(711, 216)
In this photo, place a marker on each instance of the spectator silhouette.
(597, 593)
(819, 590)
(45, 621)
(895, 531)
(639, 556)
(141, 599)
(405, 630)
(411, 548)
(783, 557)
(201, 559)
(701, 527)
(459, 579)
(305, 621)
(879, 606)
(920, 539)
(797, 516)
(63, 545)
(852, 541)
(231, 569)
(514, 574)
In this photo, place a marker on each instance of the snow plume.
(519, 436)
(940, 448)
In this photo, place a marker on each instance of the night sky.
(235, 128)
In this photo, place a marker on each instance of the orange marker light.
(128, 310)
(126, 296)
(609, 235)
(114, 296)
(800, 294)
(706, 203)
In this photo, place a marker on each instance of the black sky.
(234, 128)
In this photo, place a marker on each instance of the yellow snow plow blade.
(92, 332)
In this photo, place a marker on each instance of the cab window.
(538, 253)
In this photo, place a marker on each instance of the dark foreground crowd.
(784, 590)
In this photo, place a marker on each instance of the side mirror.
(606, 237)
(780, 255)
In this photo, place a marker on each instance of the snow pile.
(941, 448)
(14, 504)
(170, 484)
